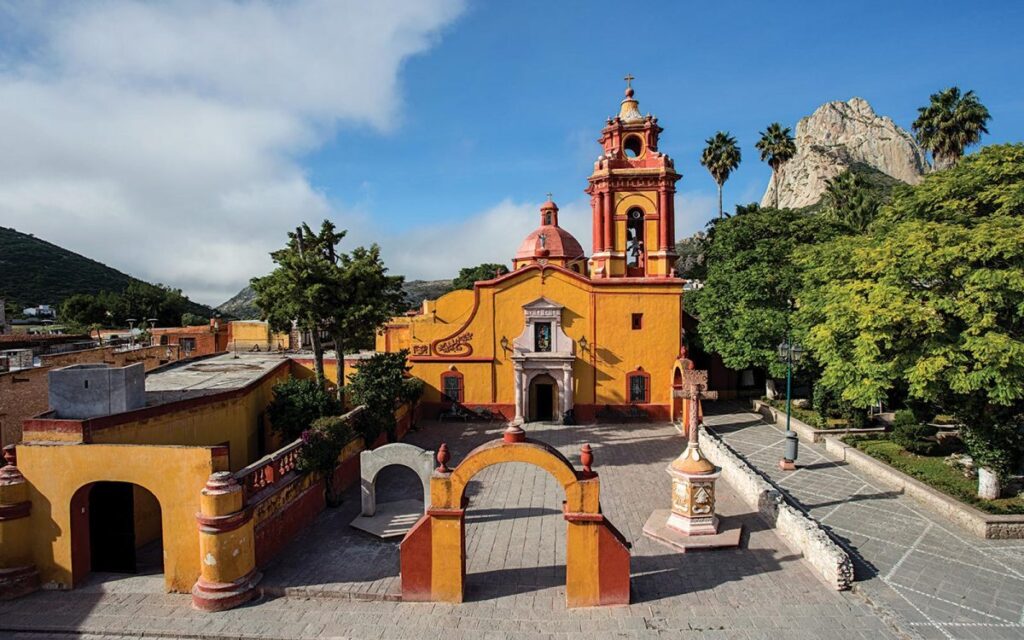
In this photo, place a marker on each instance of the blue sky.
(179, 141)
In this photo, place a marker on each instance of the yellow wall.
(602, 313)
(246, 334)
(147, 516)
(174, 475)
(234, 422)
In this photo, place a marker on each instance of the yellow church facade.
(565, 336)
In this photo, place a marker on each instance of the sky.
(179, 141)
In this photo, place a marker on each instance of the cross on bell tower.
(632, 194)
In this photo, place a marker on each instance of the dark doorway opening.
(116, 527)
(545, 404)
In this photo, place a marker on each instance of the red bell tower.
(632, 193)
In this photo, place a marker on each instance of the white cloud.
(163, 138)
(439, 251)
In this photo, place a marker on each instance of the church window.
(547, 218)
(633, 146)
(452, 389)
(639, 387)
(542, 336)
(634, 237)
(638, 321)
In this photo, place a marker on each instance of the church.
(565, 336)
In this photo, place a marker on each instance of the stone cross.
(694, 389)
(629, 79)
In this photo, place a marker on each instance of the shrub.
(381, 383)
(912, 435)
(296, 404)
(323, 442)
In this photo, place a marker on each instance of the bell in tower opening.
(632, 193)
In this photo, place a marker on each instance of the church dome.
(549, 240)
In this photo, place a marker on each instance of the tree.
(777, 147)
(744, 306)
(193, 320)
(380, 384)
(932, 299)
(469, 275)
(83, 310)
(721, 157)
(294, 291)
(849, 201)
(949, 124)
(296, 405)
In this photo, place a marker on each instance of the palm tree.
(777, 147)
(949, 124)
(721, 157)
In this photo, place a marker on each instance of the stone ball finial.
(587, 459)
(11, 455)
(443, 456)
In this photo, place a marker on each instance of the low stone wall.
(801, 532)
(981, 524)
(804, 430)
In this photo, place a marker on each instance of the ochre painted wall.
(600, 311)
(174, 475)
(249, 335)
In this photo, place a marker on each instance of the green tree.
(721, 157)
(469, 275)
(297, 404)
(849, 200)
(189, 319)
(82, 310)
(380, 383)
(777, 147)
(932, 300)
(296, 289)
(949, 124)
(744, 306)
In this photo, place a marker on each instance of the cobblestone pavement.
(335, 577)
(942, 581)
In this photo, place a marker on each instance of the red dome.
(558, 243)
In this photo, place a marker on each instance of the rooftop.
(209, 375)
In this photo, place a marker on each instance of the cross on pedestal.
(694, 389)
(693, 475)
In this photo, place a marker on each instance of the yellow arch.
(581, 495)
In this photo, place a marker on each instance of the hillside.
(34, 272)
(242, 305)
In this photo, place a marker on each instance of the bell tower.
(632, 194)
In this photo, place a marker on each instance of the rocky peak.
(836, 136)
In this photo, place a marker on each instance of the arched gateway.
(433, 554)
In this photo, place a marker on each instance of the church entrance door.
(543, 390)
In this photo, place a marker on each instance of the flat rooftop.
(210, 375)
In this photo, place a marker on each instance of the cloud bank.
(164, 138)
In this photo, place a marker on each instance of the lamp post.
(152, 324)
(131, 333)
(789, 353)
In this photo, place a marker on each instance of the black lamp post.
(790, 354)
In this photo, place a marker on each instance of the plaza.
(334, 581)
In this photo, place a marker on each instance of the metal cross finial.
(549, 196)
(629, 78)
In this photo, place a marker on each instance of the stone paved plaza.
(338, 581)
(937, 579)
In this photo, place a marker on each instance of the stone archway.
(372, 461)
(433, 554)
(543, 394)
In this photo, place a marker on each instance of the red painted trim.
(449, 513)
(478, 359)
(223, 524)
(415, 562)
(15, 511)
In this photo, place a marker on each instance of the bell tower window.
(633, 146)
(635, 238)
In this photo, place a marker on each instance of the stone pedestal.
(227, 546)
(18, 574)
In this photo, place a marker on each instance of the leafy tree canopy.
(931, 299)
(380, 383)
(469, 275)
(744, 305)
(297, 404)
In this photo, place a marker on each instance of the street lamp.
(790, 354)
(131, 332)
(152, 324)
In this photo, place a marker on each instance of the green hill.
(34, 272)
(243, 304)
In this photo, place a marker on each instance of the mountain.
(840, 136)
(34, 272)
(242, 305)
